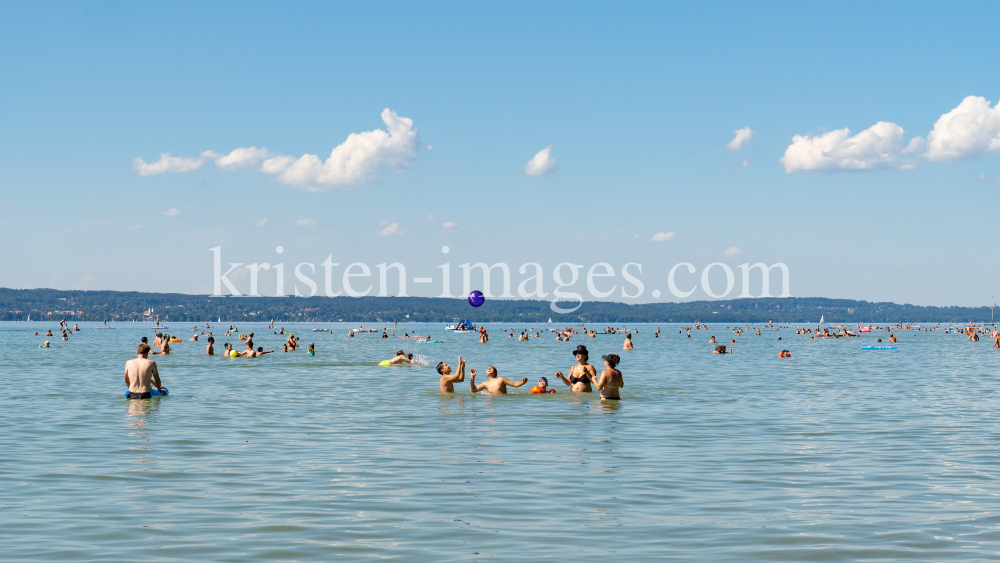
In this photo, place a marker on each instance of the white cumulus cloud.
(240, 158)
(732, 252)
(541, 164)
(354, 161)
(878, 147)
(305, 223)
(262, 222)
(166, 163)
(389, 229)
(967, 131)
(449, 226)
(174, 212)
(663, 237)
(742, 139)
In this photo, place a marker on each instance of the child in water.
(311, 350)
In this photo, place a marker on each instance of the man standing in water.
(494, 384)
(448, 379)
(628, 342)
(139, 372)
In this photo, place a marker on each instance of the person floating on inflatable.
(784, 354)
(400, 358)
(542, 388)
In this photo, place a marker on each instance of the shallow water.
(834, 454)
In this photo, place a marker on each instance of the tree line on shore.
(124, 306)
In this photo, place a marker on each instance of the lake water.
(834, 454)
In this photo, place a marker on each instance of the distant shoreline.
(125, 306)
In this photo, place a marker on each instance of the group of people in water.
(142, 376)
(582, 378)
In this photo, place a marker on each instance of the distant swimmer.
(494, 383)
(996, 339)
(210, 349)
(139, 372)
(311, 350)
(156, 341)
(49, 333)
(76, 328)
(401, 358)
(628, 342)
(449, 379)
(974, 336)
(582, 374)
(542, 388)
(261, 351)
(712, 341)
(384, 333)
(193, 338)
(611, 379)
(720, 349)
(46, 345)
(892, 338)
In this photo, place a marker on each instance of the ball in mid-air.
(476, 298)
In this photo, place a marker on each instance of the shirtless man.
(400, 358)
(156, 341)
(996, 340)
(628, 342)
(139, 372)
(580, 375)
(611, 379)
(210, 349)
(494, 384)
(892, 338)
(448, 379)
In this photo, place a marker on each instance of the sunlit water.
(834, 454)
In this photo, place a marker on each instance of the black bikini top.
(574, 379)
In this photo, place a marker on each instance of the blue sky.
(637, 102)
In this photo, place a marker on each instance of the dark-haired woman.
(611, 379)
(582, 374)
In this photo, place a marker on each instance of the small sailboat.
(821, 319)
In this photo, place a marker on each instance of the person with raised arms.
(449, 379)
(494, 383)
(139, 372)
(582, 374)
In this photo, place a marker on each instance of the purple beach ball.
(476, 298)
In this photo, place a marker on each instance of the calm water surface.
(835, 454)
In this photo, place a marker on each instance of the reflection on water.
(138, 413)
(834, 454)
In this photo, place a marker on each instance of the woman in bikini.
(582, 374)
(611, 379)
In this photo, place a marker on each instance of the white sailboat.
(821, 319)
